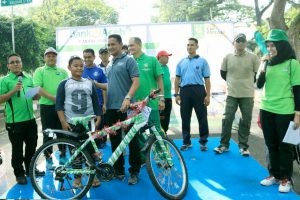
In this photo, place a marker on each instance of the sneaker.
(285, 186)
(77, 183)
(133, 179)
(21, 180)
(244, 152)
(120, 176)
(96, 182)
(221, 149)
(49, 164)
(185, 147)
(270, 180)
(203, 147)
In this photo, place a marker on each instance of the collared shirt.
(49, 78)
(149, 69)
(95, 73)
(120, 71)
(192, 71)
(20, 109)
(240, 73)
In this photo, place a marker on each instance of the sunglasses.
(242, 40)
(15, 62)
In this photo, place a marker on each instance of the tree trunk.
(277, 16)
(294, 34)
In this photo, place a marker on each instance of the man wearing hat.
(104, 56)
(238, 69)
(163, 58)
(48, 78)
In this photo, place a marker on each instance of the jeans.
(246, 107)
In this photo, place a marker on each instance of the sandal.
(96, 183)
(77, 183)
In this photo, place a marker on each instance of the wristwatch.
(175, 95)
(128, 97)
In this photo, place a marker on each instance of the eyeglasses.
(242, 40)
(15, 62)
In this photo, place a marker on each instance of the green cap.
(277, 35)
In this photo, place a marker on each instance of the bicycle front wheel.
(51, 179)
(169, 177)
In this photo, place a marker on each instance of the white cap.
(50, 50)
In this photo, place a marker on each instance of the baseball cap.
(277, 35)
(50, 50)
(163, 53)
(240, 35)
(103, 50)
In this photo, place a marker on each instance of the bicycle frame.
(138, 121)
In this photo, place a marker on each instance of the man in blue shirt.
(91, 71)
(192, 90)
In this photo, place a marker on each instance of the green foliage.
(203, 10)
(27, 43)
(58, 13)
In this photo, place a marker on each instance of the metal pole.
(12, 29)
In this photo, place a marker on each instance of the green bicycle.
(164, 162)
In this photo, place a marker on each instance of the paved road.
(256, 141)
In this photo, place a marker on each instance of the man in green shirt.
(150, 78)
(48, 78)
(163, 58)
(20, 120)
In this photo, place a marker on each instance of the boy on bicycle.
(77, 97)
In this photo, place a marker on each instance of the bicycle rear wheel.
(56, 183)
(170, 181)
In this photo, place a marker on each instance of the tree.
(57, 13)
(278, 20)
(202, 10)
(28, 40)
(259, 11)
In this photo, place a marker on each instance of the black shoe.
(133, 179)
(120, 175)
(185, 147)
(21, 180)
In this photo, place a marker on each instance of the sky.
(130, 11)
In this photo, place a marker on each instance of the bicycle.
(164, 162)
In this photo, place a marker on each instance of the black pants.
(19, 133)
(49, 119)
(113, 116)
(274, 127)
(165, 114)
(193, 97)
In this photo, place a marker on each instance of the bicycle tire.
(51, 185)
(162, 177)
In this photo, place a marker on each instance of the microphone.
(20, 78)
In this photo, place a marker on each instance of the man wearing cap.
(163, 58)
(104, 56)
(48, 78)
(92, 72)
(150, 78)
(238, 69)
(20, 121)
(192, 75)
